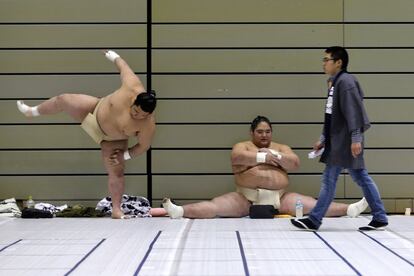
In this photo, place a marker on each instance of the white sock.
(173, 210)
(355, 209)
(27, 110)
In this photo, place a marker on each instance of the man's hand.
(116, 157)
(356, 149)
(318, 145)
(272, 159)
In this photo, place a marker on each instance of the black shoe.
(305, 224)
(374, 225)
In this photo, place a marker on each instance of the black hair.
(339, 53)
(146, 101)
(258, 120)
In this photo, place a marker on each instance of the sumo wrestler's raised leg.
(116, 178)
(76, 105)
(288, 201)
(227, 205)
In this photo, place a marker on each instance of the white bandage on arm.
(111, 55)
(127, 156)
(261, 157)
(278, 155)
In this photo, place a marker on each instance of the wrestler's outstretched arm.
(128, 77)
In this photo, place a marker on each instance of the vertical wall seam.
(149, 88)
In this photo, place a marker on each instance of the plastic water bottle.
(30, 202)
(299, 208)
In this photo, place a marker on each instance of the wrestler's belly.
(108, 120)
(256, 177)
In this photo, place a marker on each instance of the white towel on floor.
(9, 208)
(49, 207)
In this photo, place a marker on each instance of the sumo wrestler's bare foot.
(117, 214)
(173, 210)
(28, 111)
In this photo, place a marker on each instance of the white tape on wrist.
(278, 155)
(127, 156)
(111, 55)
(261, 157)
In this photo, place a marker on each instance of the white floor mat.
(161, 246)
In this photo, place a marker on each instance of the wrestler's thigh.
(231, 205)
(107, 148)
(78, 105)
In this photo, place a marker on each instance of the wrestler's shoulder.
(127, 93)
(147, 124)
(244, 144)
(278, 146)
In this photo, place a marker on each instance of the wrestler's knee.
(212, 210)
(62, 98)
(116, 172)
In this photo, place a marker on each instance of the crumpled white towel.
(49, 207)
(9, 208)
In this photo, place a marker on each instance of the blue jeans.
(327, 193)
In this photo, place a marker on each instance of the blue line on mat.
(147, 254)
(393, 252)
(84, 258)
(339, 255)
(246, 268)
(7, 246)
